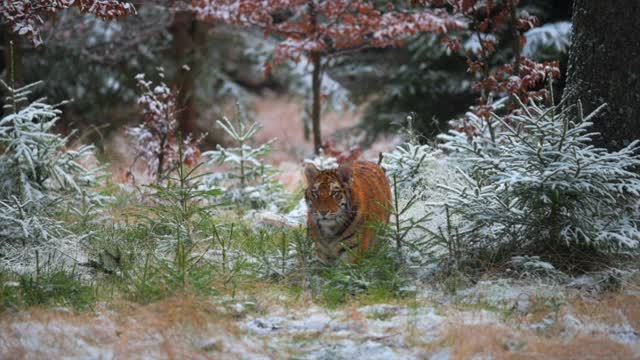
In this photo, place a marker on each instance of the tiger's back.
(343, 203)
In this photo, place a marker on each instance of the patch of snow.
(623, 333)
(349, 349)
(554, 35)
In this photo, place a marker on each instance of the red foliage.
(156, 140)
(25, 16)
(327, 27)
(490, 22)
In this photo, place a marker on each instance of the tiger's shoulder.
(370, 184)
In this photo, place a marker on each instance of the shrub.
(157, 140)
(376, 277)
(540, 188)
(248, 181)
(40, 176)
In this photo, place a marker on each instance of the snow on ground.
(484, 321)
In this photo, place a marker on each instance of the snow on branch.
(25, 16)
(156, 139)
(328, 26)
(40, 175)
(542, 182)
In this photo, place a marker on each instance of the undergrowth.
(515, 203)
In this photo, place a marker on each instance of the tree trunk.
(10, 36)
(186, 38)
(315, 106)
(604, 67)
(316, 84)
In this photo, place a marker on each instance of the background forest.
(152, 192)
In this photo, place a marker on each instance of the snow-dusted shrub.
(156, 139)
(473, 133)
(179, 208)
(414, 171)
(553, 38)
(247, 180)
(406, 164)
(404, 167)
(39, 176)
(542, 186)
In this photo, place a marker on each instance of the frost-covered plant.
(547, 40)
(406, 164)
(24, 17)
(247, 181)
(406, 168)
(156, 139)
(39, 177)
(545, 187)
(473, 133)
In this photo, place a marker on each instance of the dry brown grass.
(614, 307)
(175, 328)
(501, 342)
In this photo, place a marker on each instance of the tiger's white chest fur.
(332, 226)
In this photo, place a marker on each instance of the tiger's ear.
(345, 173)
(310, 172)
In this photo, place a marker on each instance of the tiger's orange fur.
(343, 203)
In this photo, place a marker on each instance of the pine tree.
(40, 176)
(541, 188)
(247, 181)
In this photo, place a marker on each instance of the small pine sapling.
(40, 177)
(545, 189)
(156, 139)
(406, 168)
(179, 221)
(248, 181)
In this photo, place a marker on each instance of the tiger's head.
(328, 197)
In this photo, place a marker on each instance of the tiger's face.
(328, 198)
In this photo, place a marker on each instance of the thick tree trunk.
(186, 38)
(604, 67)
(315, 106)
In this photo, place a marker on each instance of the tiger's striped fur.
(342, 203)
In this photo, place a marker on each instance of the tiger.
(342, 205)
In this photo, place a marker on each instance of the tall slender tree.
(316, 30)
(604, 67)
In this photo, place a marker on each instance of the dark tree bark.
(187, 35)
(315, 105)
(9, 37)
(604, 67)
(316, 85)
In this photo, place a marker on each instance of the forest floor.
(594, 316)
(495, 319)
